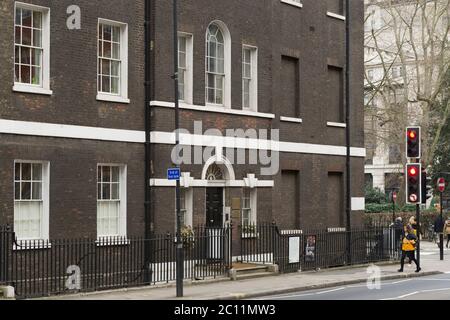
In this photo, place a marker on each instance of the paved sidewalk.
(252, 288)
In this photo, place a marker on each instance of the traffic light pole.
(441, 234)
(418, 233)
(393, 206)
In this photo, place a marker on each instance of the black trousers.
(448, 239)
(410, 255)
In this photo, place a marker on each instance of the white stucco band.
(198, 183)
(379, 172)
(40, 129)
(159, 137)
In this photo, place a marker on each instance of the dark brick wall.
(73, 181)
(335, 94)
(307, 34)
(313, 194)
(73, 67)
(289, 215)
(289, 104)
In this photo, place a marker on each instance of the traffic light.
(413, 142)
(427, 188)
(413, 183)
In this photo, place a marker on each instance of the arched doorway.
(217, 172)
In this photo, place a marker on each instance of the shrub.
(375, 195)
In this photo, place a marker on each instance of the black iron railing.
(294, 250)
(39, 268)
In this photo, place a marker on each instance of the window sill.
(31, 89)
(293, 3)
(31, 245)
(112, 98)
(336, 230)
(337, 124)
(213, 108)
(290, 119)
(113, 241)
(336, 16)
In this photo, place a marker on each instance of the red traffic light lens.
(412, 171)
(412, 134)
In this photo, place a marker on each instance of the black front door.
(214, 207)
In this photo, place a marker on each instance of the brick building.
(73, 110)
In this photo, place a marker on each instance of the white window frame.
(45, 218)
(122, 227)
(44, 87)
(227, 65)
(253, 96)
(188, 205)
(253, 205)
(122, 97)
(295, 3)
(189, 74)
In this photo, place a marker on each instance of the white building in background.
(391, 65)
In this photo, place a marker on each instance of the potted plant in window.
(249, 231)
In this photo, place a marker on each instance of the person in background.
(439, 226)
(398, 231)
(447, 230)
(416, 228)
(408, 248)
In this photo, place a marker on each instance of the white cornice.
(70, 131)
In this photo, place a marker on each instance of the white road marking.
(433, 279)
(305, 294)
(329, 291)
(417, 292)
(403, 296)
(407, 280)
(433, 290)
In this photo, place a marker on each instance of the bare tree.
(407, 59)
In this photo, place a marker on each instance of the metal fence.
(60, 266)
(6, 238)
(294, 250)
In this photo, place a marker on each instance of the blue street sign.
(173, 174)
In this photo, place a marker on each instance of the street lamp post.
(179, 243)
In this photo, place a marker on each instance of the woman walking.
(408, 248)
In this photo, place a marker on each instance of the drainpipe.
(148, 219)
(347, 133)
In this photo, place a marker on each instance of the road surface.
(435, 287)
